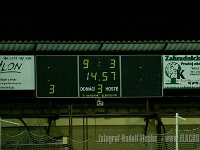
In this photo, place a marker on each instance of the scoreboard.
(56, 76)
(98, 76)
(141, 76)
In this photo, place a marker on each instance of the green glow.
(104, 76)
(94, 75)
(112, 64)
(100, 88)
(86, 63)
(52, 87)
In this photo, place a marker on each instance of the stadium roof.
(100, 45)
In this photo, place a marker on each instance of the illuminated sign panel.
(181, 71)
(99, 76)
(17, 72)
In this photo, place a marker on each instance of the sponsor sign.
(17, 72)
(181, 71)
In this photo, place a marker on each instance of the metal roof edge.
(100, 42)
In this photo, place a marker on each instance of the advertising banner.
(17, 72)
(181, 71)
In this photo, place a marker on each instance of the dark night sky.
(136, 20)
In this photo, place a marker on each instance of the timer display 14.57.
(99, 76)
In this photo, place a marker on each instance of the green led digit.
(88, 74)
(112, 64)
(113, 75)
(52, 87)
(86, 63)
(94, 75)
(100, 88)
(104, 76)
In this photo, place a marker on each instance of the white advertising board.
(181, 71)
(17, 72)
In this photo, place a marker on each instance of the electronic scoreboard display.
(56, 76)
(142, 76)
(98, 76)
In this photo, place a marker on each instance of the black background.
(143, 77)
(62, 73)
(99, 20)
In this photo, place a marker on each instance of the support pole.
(177, 117)
(83, 128)
(147, 105)
(0, 132)
(86, 128)
(70, 128)
(176, 131)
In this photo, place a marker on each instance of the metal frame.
(99, 56)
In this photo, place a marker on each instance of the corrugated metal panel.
(183, 46)
(68, 47)
(133, 47)
(95, 45)
(16, 47)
